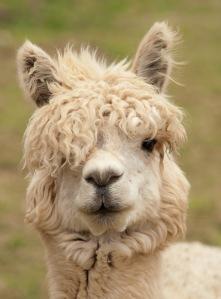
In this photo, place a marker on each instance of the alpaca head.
(99, 148)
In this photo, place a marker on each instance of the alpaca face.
(99, 148)
(117, 186)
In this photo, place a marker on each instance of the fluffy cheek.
(147, 201)
(68, 190)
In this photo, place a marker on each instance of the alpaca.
(105, 191)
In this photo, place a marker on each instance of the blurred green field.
(116, 27)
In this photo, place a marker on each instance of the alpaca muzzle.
(103, 203)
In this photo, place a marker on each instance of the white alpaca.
(105, 191)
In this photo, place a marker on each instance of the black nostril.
(102, 179)
(113, 178)
(90, 179)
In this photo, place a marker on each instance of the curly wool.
(67, 128)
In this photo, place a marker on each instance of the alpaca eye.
(148, 145)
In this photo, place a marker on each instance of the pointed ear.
(153, 60)
(36, 70)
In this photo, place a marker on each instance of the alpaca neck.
(110, 276)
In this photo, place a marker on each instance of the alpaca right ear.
(36, 70)
(153, 60)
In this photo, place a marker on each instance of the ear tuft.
(153, 60)
(36, 70)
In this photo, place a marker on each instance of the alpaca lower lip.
(103, 211)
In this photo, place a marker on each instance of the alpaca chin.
(100, 224)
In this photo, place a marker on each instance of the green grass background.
(116, 27)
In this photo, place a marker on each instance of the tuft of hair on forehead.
(86, 64)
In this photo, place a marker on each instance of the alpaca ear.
(36, 70)
(153, 60)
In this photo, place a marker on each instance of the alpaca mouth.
(104, 207)
(107, 210)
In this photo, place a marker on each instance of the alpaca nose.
(102, 169)
(104, 178)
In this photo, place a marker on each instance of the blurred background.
(116, 27)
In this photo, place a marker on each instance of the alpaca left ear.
(153, 60)
(36, 71)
